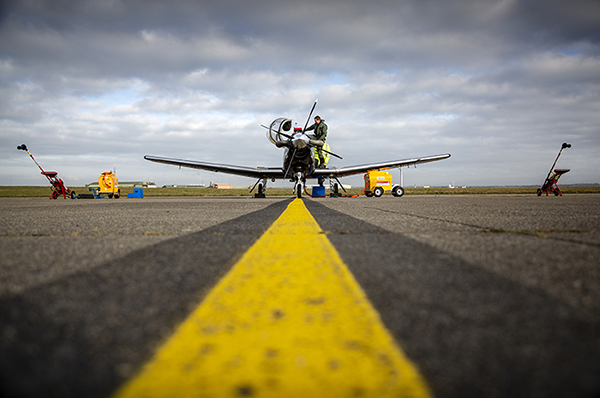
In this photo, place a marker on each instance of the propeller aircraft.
(299, 161)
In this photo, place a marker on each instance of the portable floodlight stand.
(553, 177)
(58, 186)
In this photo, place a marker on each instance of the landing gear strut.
(334, 188)
(299, 185)
(262, 186)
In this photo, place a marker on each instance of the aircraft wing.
(277, 172)
(255, 172)
(360, 169)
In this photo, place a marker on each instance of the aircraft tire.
(378, 192)
(299, 191)
(539, 192)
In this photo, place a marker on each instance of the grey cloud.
(497, 84)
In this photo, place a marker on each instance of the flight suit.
(320, 134)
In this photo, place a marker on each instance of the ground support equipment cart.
(58, 186)
(553, 177)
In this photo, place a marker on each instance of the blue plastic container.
(318, 191)
(137, 193)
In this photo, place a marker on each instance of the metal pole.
(401, 178)
(38, 165)
(23, 147)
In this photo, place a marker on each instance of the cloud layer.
(91, 86)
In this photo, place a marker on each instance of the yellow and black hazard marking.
(289, 319)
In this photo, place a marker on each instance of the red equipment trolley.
(552, 178)
(58, 185)
(550, 183)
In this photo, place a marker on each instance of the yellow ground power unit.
(377, 182)
(108, 185)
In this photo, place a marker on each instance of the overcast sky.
(95, 85)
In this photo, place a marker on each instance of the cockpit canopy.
(278, 126)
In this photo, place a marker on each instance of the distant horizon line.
(583, 184)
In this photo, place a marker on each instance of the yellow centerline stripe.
(288, 320)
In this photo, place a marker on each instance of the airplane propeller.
(298, 140)
(289, 137)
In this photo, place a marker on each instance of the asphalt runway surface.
(495, 296)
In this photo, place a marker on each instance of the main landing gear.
(261, 186)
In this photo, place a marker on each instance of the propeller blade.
(324, 150)
(310, 114)
(332, 154)
(290, 165)
(283, 134)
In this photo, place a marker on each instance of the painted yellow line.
(288, 320)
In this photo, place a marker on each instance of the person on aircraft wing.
(320, 134)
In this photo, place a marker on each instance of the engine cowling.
(277, 127)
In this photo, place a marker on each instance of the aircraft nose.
(300, 141)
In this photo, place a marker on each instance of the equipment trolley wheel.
(378, 192)
(397, 191)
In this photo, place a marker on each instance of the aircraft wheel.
(299, 191)
(335, 190)
(73, 195)
(539, 192)
(556, 193)
(398, 191)
(378, 192)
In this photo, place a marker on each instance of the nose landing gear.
(299, 186)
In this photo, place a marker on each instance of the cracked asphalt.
(488, 295)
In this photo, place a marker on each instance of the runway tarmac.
(490, 296)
